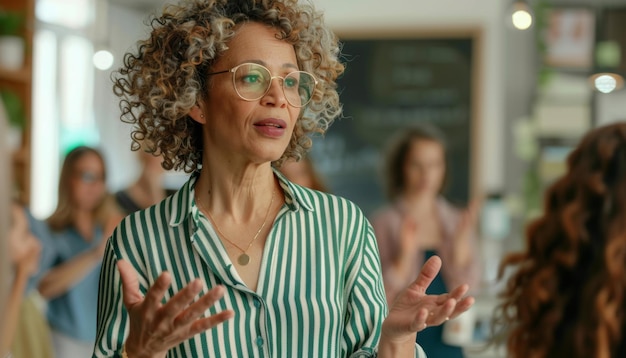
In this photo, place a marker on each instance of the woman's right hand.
(409, 241)
(408, 244)
(155, 327)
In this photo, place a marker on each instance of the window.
(63, 114)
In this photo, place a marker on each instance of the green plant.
(14, 108)
(11, 22)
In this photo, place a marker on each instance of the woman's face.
(424, 168)
(87, 180)
(243, 131)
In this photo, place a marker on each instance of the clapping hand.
(155, 327)
(413, 310)
(462, 249)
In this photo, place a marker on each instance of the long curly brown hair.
(167, 75)
(567, 294)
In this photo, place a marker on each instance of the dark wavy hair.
(167, 75)
(567, 293)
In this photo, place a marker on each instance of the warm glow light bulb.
(605, 83)
(103, 60)
(522, 19)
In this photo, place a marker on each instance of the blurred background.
(513, 83)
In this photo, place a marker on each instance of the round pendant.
(243, 259)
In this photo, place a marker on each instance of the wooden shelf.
(22, 75)
(20, 82)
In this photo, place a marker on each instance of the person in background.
(21, 321)
(5, 217)
(302, 172)
(147, 190)
(241, 262)
(566, 291)
(24, 251)
(81, 222)
(420, 223)
(32, 333)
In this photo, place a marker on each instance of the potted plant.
(14, 109)
(12, 45)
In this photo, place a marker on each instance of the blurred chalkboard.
(390, 84)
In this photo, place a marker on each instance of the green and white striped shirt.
(320, 291)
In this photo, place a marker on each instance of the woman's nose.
(275, 94)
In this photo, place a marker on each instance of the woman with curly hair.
(241, 262)
(567, 296)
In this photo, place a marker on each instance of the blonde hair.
(167, 75)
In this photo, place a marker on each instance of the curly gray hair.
(167, 75)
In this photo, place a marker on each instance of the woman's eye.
(252, 78)
(291, 82)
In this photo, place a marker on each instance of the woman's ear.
(197, 114)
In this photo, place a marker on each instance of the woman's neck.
(419, 202)
(239, 193)
(84, 223)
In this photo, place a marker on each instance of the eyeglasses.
(252, 81)
(89, 177)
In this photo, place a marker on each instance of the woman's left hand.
(413, 310)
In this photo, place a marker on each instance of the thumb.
(130, 284)
(427, 274)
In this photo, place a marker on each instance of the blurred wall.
(127, 26)
(125, 29)
(488, 15)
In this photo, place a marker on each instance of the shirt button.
(257, 303)
(259, 341)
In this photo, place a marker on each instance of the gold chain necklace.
(243, 259)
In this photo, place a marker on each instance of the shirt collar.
(183, 202)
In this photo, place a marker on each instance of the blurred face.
(87, 180)
(251, 131)
(297, 172)
(424, 168)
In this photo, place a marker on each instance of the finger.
(409, 224)
(457, 294)
(198, 308)
(474, 211)
(462, 306)
(442, 313)
(203, 324)
(130, 284)
(419, 322)
(427, 274)
(181, 300)
(475, 205)
(155, 294)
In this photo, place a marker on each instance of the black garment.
(126, 203)
(431, 338)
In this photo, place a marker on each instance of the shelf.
(20, 81)
(22, 75)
